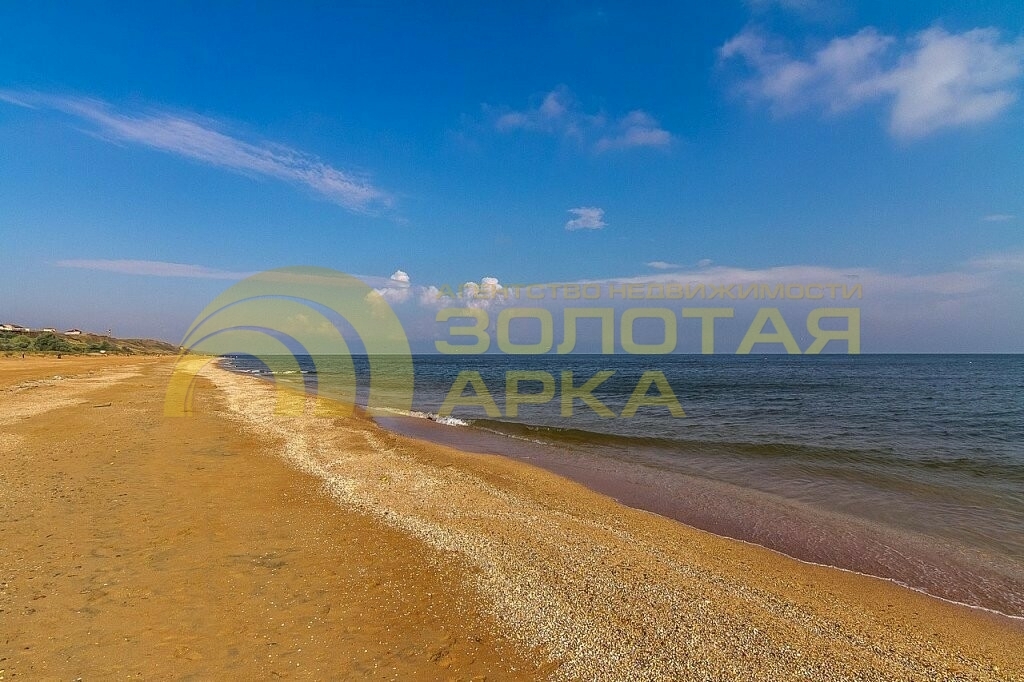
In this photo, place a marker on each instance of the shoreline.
(568, 577)
(1006, 626)
(910, 560)
(628, 496)
(1011, 620)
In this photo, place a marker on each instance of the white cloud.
(833, 76)
(202, 140)
(998, 218)
(559, 114)
(430, 296)
(483, 294)
(153, 268)
(705, 263)
(953, 79)
(397, 289)
(662, 265)
(488, 288)
(931, 81)
(636, 129)
(586, 218)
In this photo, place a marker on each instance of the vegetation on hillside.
(48, 342)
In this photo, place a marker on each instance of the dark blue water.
(901, 466)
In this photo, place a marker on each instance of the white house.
(8, 327)
(73, 332)
(48, 329)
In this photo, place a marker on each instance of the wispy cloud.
(940, 311)
(998, 218)
(808, 10)
(559, 114)
(793, 5)
(1008, 261)
(205, 141)
(586, 218)
(636, 129)
(395, 289)
(153, 268)
(972, 277)
(932, 81)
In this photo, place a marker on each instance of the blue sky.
(151, 155)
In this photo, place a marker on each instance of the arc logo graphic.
(292, 320)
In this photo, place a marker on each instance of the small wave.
(447, 421)
(430, 416)
(997, 468)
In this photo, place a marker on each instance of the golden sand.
(243, 544)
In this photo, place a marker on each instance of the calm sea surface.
(908, 467)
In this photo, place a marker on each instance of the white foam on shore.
(430, 416)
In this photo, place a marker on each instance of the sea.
(905, 467)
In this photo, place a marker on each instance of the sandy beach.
(238, 543)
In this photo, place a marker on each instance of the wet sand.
(814, 534)
(240, 543)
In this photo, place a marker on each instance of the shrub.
(104, 345)
(50, 342)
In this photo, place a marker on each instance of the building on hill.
(8, 327)
(50, 330)
(73, 332)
